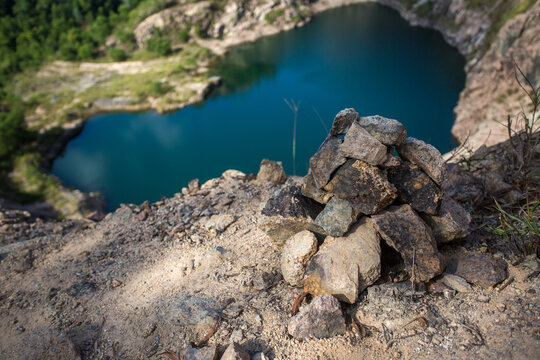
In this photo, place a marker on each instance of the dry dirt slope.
(155, 277)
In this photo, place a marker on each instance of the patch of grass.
(273, 15)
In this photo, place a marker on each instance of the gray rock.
(326, 160)
(424, 155)
(235, 352)
(456, 282)
(336, 217)
(479, 269)
(360, 145)
(345, 266)
(297, 252)
(193, 315)
(451, 224)
(388, 131)
(209, 352)
(194, 186)
(343, 121)
(271, 171)
(289, 213)
(365, 186)
(406, 232)
(310, 190)
(322, 318)
(416, 188)
(235, 175)
(219, 222)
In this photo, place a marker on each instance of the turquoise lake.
(363, 56)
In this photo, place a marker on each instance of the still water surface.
(363, 56)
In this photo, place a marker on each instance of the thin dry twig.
(208, 336)
(170, 355)
(297, 302)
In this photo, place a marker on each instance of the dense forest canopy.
(33, 31)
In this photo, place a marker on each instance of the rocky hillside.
(212, 273)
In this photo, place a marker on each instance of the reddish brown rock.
(365, 186)
(322, 318)
(479, 269)
(406, 232)
(235, 352)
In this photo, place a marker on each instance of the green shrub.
(159, 44)
(116, 54)
(159, 88)
(183, 34)
(273, 15)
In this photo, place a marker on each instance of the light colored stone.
(219, 222)
(456, 282)
(271, 171)
(297, 252)
(345, 266)
(388, 131)
(360, 145)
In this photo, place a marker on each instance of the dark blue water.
(363, 56)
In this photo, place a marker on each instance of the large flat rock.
(322, 318)
(360, 145)
(406, 232)
(345, 266)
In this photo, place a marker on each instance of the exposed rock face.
(289, 213)
(416, 188)
(360, 145)
(451, 224)
(405, 231)
(271, 171)
(365, 186)
(336, 217)
(388, 131)
(297, 252)
(327, 159)
(425, 156)
(343, 121)
(322, 318)
(479, 269)
(345, 266)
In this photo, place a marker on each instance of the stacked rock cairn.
(356, 193)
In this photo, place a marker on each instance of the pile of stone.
(356, 193)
